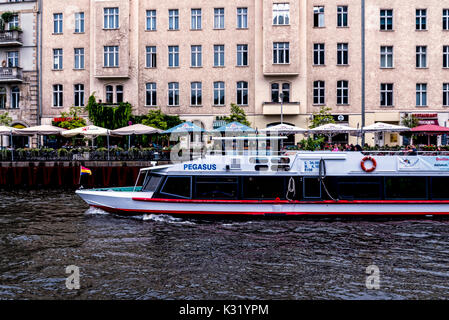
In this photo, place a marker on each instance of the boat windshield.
(151, 183)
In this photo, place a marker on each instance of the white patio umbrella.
(89, 131)
(283, 128)
(7, 131)
(135, 129)
(384, 127)
(42, 130)
(332, 129)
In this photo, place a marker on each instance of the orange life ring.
(368, 158)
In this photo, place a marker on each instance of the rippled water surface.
(150, 257)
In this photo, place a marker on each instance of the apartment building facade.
(195, 58)
(19, 91)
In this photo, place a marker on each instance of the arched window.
(109, 94)
(151, 98)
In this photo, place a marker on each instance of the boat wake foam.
(95, 211)
(163, 218)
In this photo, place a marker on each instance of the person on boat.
(335, 149)
(412, 151)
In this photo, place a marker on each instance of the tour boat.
(291, 184)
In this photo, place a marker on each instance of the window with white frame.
(111, 56)
(445, 56)
(79, 58)
(58, 95)
(57, 23)
(151, 57)
(2, 98)
(79, 22)
(173, 94)
(319, 92)
(281, 14)
(242, 18)
(342, 16)
(421, 94)
(13, 59)
(342, 54)
(280, 88)
(446, 94)
(111, 18)
(15, 97)
(386, 94)
(173, 19)
(219, 93)
(318, 17)
(219, 22)
(57, 59)
(196, 19)
(173, 56)
(109, 94)
(219, 55)
(445, 19)
(386, 19)
(421, 56)
(14, 22)
(119, 93)
(196, 56)
(421, 19)
(281, 53)
(342, 92)
(151, 20)
(386, 57)
(318, 54)
(196, 94)
(151, 94)
(78, 95)
(242, 93)
(242, 55)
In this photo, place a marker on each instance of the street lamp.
(281, 98)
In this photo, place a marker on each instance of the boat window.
(439, 187)
(151, 183)
(177, 187)
(405, 188)
(312, 188)
(216, 188)
(281, 160)
(261, 167)
(258, 160)
(280, 167)
(264, 187)
(359, 188)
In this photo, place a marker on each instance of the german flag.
(85, 170)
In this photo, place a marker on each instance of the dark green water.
(43, 232)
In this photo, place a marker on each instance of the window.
(421, 56)
(242, 55)
(79, 22)
(57, 95)
(173, 94)
(2, 97)
(196, 19)
(342, 16)
(57, 23)
(242, 18)
(342, 54)
(446, 94)
(151, 183)
(178, 187)
(79, 58)
(196, 56)
(219, 93)
(318, 92)
(173, 56)
(242, 93)
(405, 188)
(111, 18)
(318, 17)
(445, 56)
(15, 97)
(151, 20)
(219, 55)
(421, 94)
(151, 98)
(219, 18)
(343, 92)
(281, 13)
(445, 19)
(57, 59)
(276, 93)
(173, 19)
(421, 19)
(13, 59)
(79, 95)
(151, 57)
(281, 53)
(264, 187)
(216, 188)
(286, 92)
(109, 94)
(359, 188)
(14, 23)
(196, 94)
(386, 57)
(119, 93)
(111, 56)
(318, 54)
(386, 94)
(386, 19)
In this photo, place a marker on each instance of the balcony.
(10, 38)
(274, 108)
(11, 75)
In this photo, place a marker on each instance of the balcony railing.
(10, 38)
(13, 74)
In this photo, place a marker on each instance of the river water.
(149, 257)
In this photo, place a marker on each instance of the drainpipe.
(363, 70)
(39, 60)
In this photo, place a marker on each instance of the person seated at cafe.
(412, 151)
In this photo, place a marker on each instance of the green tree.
(71, 120)
(157, 119)
(409, 121)
(107, 116)
(5, 119)
(322, 117)
(5, 18)
(237, 114)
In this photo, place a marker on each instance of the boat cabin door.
(311, 188)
